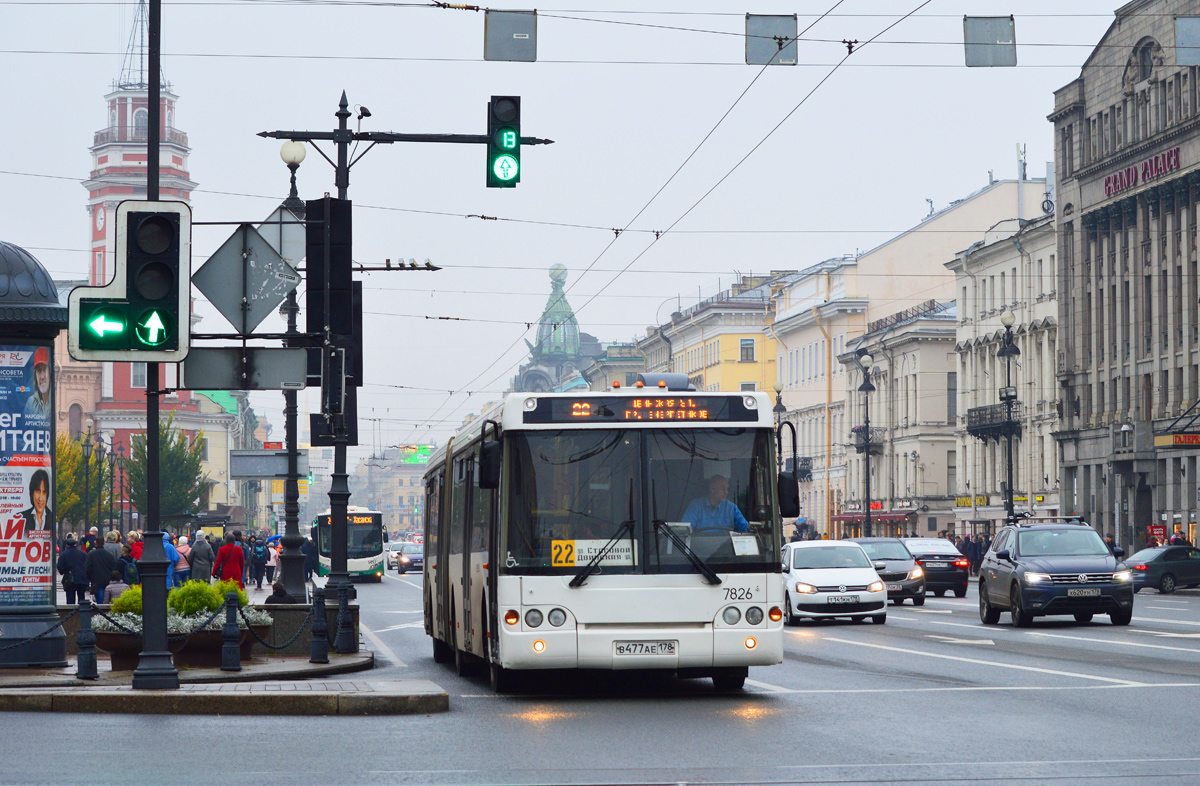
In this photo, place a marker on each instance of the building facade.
(1127, 156)
(1011, 269)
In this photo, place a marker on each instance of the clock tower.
(119, 151)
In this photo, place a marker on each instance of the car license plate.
(842, 599)
(645, 647)
(1083, 592)
(936, 564)
(894, 588)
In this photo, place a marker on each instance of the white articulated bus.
(637, 528)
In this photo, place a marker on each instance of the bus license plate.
(645, 647)
(842, 599)
(1083, 592)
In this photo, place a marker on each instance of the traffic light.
(504, 142)
(143, 313)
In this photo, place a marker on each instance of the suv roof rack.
(1029, 521)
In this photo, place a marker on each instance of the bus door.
(434, 528)
(456, 557)
(482, 507)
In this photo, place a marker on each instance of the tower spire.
(134, 74)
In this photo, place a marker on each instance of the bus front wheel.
(730, 679)
(442, 653)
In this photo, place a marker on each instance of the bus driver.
(715, 511)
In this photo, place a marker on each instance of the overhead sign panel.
(263, 464)
(771, 40)
(990, 41)
(510, 35)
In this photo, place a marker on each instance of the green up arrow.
(153, 326)
(100, 325)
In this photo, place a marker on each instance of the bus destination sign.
(641, 409)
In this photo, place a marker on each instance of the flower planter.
(124, 649)
(201, 650)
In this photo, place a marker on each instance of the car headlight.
(916, 573)
(731, 615)
(1123, 575)
(805, 589)
(1036, 578)
(533, 618)
(875, 586)
(404, 559)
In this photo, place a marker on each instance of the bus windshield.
(365, 538)
(570, 492)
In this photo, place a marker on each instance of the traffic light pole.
(342, 137)
(154, 671)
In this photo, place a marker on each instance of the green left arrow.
(101, 325)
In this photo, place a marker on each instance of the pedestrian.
(183, 568)
(111, 545)
(309, 550)
(74, 575)
(201, 558)
(279, 595)
(241, 541)
(136, 544)
(172, 559)
(231, 561)
(272, 561)
(115, 586)
(1108, 541)
(258, 560)
(129, 567)
(972, 554)
(99, 566)
(91, 540)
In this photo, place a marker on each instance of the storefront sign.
(965, 502)
(1141, 172)
(26, 510)
(1176, 440)
(1157, 531)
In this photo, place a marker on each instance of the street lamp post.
(1008, 394)
(100, 485)
(112, 476)
(864, 360)
(121, 525)
(291, 560)
(87, 475)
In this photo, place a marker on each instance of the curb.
(398, 697)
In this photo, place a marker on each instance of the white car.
(832, 578)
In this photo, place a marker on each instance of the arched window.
(1145, 60)
(112, 119)
(170, 119)
(75, 421)
(140, 121)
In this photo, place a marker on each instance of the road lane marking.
(402, 611)
(1167, 608)
(769, 687)
(953, 640)
(379, 645)
(403, 581)
(1119, 641)
(402, 626)
(932, 611)
(980, 662)
(975, 688)
(1169, 622)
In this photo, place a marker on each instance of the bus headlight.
(750, 402)
(751, 642)
(556, 617)
(754, 615)
(533, 618)
(539, 646)
(731, 615)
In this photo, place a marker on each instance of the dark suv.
(1053, 566)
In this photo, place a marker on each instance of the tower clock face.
(99, 217)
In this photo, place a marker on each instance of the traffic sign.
(246, 279)
(144, 312)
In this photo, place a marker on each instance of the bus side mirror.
(489, 465)
(385, 535)
(789, 495)
(312, 534)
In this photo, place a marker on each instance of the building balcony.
(127, 134)
(873, 438)
(992, 421)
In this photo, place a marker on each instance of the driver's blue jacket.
(702, 514)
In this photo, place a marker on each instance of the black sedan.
(945, 567)
(900, 572)
(1165, 568)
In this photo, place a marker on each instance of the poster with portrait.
(26, 495)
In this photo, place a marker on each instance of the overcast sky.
(626, 89)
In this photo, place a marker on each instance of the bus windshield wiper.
(594, 563)
(710, 575)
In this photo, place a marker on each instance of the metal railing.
(992, 415)
(134, 134)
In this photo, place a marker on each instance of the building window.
(75, 421)
(141, 119)
(749, 386)
(952, 396)
(203, 448)
(137, 375)
(747, 355)
(951, 472)
(1145, 59)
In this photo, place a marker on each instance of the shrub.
(128, 602)
(194, 597)
(224, 587)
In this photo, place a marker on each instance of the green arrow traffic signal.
(103, 325)
(151, 328)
